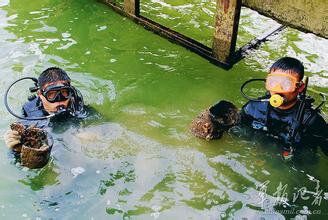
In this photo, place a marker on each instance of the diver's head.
(55, 90)
(285, 79)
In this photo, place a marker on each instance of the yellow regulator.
(276, 100)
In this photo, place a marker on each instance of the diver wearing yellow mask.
(286, 113)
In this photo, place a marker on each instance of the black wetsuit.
(278, 123)
(34, 109)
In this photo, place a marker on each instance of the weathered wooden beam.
(132, 7)
(226, 29)
(305, 15)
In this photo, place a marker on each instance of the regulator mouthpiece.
(276, 100)
(60, 109)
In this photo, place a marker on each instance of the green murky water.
(139, 160)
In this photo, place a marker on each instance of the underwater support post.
(132, 7)
(226, 30)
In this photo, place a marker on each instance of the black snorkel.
(32, 89)
(246, 96)
(75, 106)
(277, 100)
(297, 124)
(274, 100)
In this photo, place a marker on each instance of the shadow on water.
(138, 159)
(42, 178)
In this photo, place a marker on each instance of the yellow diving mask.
(281, 83)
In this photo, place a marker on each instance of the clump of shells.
(214, 121)
(34, 149)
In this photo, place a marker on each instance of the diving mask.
(281, 83)
(57, 93)
(275, 100)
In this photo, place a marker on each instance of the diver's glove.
(12, 138)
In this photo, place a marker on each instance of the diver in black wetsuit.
(287, 114)
(56, 99)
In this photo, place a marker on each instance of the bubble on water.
(325, 196)
(35, 12)
(310, 177)
(155, 124)
(69, 44)
(155, 215)
(81, 196)
(24, 215)
(112, 60)
(101, 28)
(66, 35)
(108, 202)
(97, 171)
(88, 52)
(266, 172)
(77, 171)
(156, 208)
(2, 206)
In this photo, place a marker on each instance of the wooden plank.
(132, 7)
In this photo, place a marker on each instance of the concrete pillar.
(226, 28)
(132, 7)
(305, 15)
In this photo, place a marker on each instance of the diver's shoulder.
(32, 101)
(253, 105)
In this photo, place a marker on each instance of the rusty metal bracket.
(223, 53)
(256, 42)
(170, 34)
